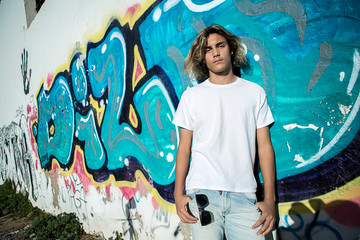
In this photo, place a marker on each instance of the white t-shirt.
(224, 119)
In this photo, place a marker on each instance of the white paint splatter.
(103, 49)
(337, 137)
(157, 14)
(299, 158)
(79, 61)
(169, 4)
(344, 109)
(322, 139)
(202, 8)
(161, 154)
(129, 130)
(170, 157)
(355, 71)
(288, 145)
(342, 76)
(295, 125)
(256, 57)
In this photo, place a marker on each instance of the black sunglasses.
(206, 217)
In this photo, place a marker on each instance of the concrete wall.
(89, 89)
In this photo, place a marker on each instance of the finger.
(187, 218)
(268, 228)
(263, 228)
(259, 222)
(190, 217)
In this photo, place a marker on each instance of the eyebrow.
(217, 44)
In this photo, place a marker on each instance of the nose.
(216, 54)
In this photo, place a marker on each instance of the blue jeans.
(231, 213)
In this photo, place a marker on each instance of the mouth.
(217, 61)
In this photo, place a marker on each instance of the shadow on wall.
(309, 224)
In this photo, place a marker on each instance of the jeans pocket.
(192, 205)
(190, 194)
(251, 198)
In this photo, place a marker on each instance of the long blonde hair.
(195, 60)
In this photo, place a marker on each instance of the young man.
(221, 121)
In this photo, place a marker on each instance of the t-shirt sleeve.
(182, 117)
(265, 117)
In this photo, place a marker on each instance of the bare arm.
(267, 166)
(182, 168)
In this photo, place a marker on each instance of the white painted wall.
(12, 41)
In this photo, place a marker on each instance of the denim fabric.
(234, 214)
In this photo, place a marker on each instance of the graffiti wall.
(89, 90)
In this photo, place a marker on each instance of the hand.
(181, 209)
(267, 219)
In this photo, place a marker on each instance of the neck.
(222, 79)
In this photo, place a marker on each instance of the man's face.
(218, 55)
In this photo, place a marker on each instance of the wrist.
(179, 194)
(271, 200)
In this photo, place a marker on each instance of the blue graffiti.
(303, 54)
(135, 131)
(55, 128)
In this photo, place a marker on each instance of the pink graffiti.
(346, 213)
(80, 171)
(31, 117)
(55, 172)
(69, 183)
(132, 10)
(128, 192)
(155, 203)
(107, 191)
(49, 79)
(141, 187)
